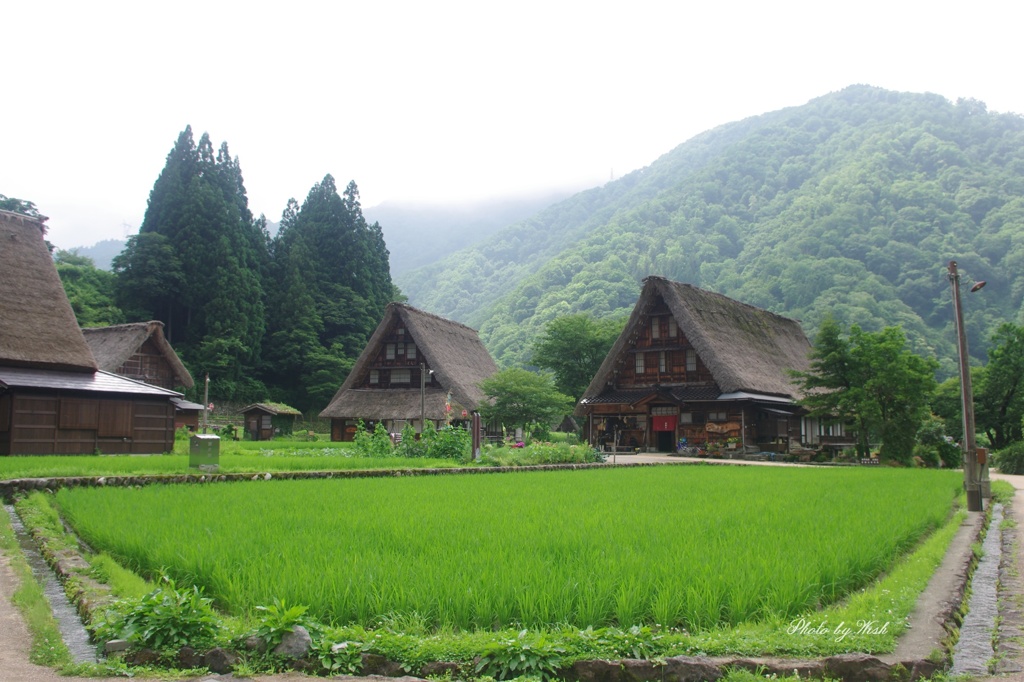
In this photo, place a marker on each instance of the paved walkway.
(15, 640)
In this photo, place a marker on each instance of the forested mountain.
(419, 234)
(849, 206)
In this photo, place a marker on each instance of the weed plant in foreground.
(685, 547)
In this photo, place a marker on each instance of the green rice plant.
(682, 547)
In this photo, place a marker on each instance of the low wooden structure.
(416, 365)
(263, 421)
(53, 397)
(693, 368)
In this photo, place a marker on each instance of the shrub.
(277, 619)
(411, 446)
(165, 618)
(451, 442)
(1010, 460)
(377, 444)
(529, 654)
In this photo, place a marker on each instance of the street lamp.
(972, 478)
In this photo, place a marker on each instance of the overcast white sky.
(440, 101)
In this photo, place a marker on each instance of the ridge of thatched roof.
(452, 350)
(745, 348)
(112, 346)
(273, 408)
(37, 325)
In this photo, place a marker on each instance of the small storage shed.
(263, 421)
(138, 351)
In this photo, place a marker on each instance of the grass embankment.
(687, 547)
(235, 457)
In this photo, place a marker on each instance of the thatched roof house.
(695, 366)
(53, 398)
(138, 351)
(414, 362)
(37, 325)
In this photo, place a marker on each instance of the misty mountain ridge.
(850, 205)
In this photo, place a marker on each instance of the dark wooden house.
(54, 399)
(263, 421)
(697, 368)
(138, 351)
(415, 366)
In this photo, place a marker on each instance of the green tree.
(18, 206)
(873, 381)
(573, 347)
(89, 289)
(331, 283)
(518, 398)
(999, 393)
(198, 265)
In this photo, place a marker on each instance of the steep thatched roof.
(112, 346)
(37, 326)
(452, 350)
(747, 349)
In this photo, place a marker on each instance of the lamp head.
(978, 285)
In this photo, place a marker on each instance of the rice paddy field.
(683, 546)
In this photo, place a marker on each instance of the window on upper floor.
(410, 351)
(639, 363)
(374, 376)
(691, 360)
(673, 330)
(401, 376)
(389, 351)
(655, 327)
(661, 361)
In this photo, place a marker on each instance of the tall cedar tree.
(201, 248)
(332, 282)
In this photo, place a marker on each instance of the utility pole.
(972, 478)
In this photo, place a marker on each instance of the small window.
(655, 328)
(661, 361)
(410, 351)
(390, 352)
(374, 376)
(400, 331)
(400, 376)
(673, 330)
(691, 360)
(686, 417)
(639, 363)
(716, 416)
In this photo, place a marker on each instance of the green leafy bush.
(411, 445)
(277, 619)
(377, 444)
(164, 618)
(341, 658)
(451, 442)
(528, 654)
(1010, 460)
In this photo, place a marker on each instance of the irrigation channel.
(973, 651)
(73, 632)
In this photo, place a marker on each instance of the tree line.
(280, 316)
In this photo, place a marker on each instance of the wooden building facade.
(693, 368)
(263, 421)
(53, 397)
(415, 366)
